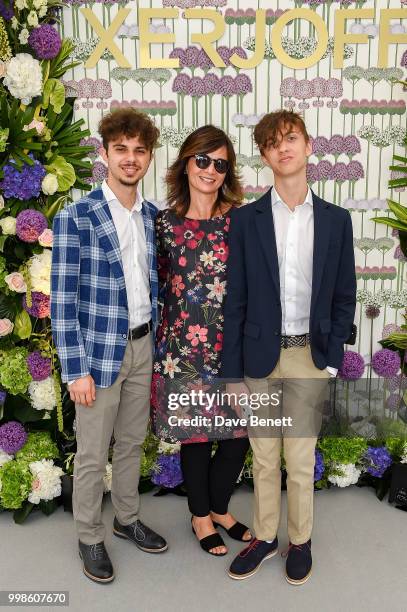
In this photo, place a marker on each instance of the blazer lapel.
(101, 218)
(322, 231)
(265, 228)
(149, 230)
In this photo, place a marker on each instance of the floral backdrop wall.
(50, 106)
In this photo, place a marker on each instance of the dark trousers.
(210, 480)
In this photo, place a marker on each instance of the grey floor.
(359, 551)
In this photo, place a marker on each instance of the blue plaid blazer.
(89, 311)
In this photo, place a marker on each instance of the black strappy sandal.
(209, 542)
(236, 532)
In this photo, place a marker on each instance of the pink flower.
(46, 239)
(184, 315)
(182, 261)
(219, 343)
(6, 327)
(197, 334)
(177, 285)
(16, 282)
(188, 233)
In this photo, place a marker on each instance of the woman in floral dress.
(192, 252)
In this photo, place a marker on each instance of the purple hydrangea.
(167, 471)
(6, 11)
(38, 366)
(3, 395)
(22, 184)
(386, 363)
(40, 305)
(30, 224)
(352, 367)
(45, 41)
(319, 467)
(12, 437)
(377, 460)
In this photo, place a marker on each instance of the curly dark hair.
(269, 129)
(130, 123)
(205, 139)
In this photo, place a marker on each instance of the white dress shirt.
(294, 231)
(132, 240)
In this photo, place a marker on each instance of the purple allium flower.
(85, 88)
(30, 224)
(403, 62)
(192, 57)
(312, 173)
(12, 437)
(99, 172)
(355, 170)
(38, 366)
(320, 146)
(211, 84)
(180, 54)
(336, 145)
(390, 328)
(45, 41)
(23, 184)
(239, 51)
(40, 305)
(334, 88)
(318, 87)
(372, 312)
(319, 467)
(287, 87)
(167, 471)
(93, 142)
(393, 401)
(181, 83)
(242, 85)
(386, 363)
(377, 460)
(339, 172)
(303, 89)
(398, 383)
(351, 145)
(225, 53)
(102, 89)
(227, 86)
(204, 61)
(324, 170)
(352, 367)
(196, 87)
(398, 254)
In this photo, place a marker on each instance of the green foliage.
(342, 450)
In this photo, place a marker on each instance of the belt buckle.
(285, 342)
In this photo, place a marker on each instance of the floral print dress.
(192, 257)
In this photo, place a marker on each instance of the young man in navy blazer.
(291, 297)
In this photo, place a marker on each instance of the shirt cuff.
(71, 381)
(332, 371)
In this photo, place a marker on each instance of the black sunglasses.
(203, 161)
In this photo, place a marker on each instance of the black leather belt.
(289, 341)
(140, 331)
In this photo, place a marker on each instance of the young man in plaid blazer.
(103, 310)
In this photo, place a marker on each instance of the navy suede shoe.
(298, 566)
(249, 560)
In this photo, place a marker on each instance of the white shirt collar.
(111, 198)
(275, 198)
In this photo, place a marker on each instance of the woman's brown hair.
(203, 140)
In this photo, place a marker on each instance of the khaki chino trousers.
(304, 390)
(123, 410)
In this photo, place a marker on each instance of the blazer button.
(276, 333)
(124, 336)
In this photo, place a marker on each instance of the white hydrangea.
(42, 394)
(40, 272)
(4, 458)
(8, 226)
(107, 478)
(350, 474)
(23, 36)
(24, 77)
(46, 483)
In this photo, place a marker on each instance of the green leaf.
(48, 507)
(22, 325)
(391, 222)
(54, 94)
(64, 172)
(21, 514)
(399, 210)
(55, 207)
(2, 241)
(8, 307)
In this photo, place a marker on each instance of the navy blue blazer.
(252, 310)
